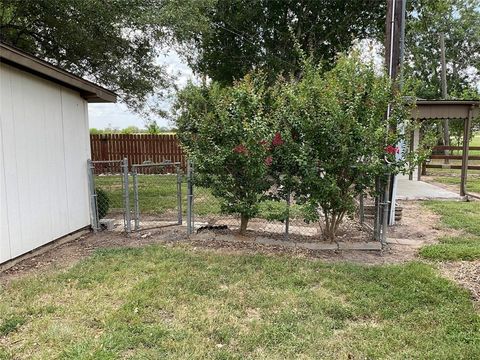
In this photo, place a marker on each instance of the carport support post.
(466, 139)
(126, 197)
(417, 172)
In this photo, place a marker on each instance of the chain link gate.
(109, 194)
(157, 195)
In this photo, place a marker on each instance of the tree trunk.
(243, 224)
(328, 230)
(332, 223)
(446, 127)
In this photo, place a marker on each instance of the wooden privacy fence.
(138, 148)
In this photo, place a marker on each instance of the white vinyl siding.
(44, 146)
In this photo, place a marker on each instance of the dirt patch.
(65, 255)
(420, 224)
(419, 227)
(299, 231)
(467, 274)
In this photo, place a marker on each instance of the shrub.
(334, 125)
(103, 202)
(226, 132)
(321, 139)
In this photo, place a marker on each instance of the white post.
(416, 142)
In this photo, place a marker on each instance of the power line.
(256, 45)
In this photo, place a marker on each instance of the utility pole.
(394, 49)
(395, 27)
(446, 127)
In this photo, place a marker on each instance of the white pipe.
(401, 128)
(386, 193)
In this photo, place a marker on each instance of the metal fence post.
(93, 197)
(126, 197)
(287, 219)
(377, 219)
(179, 195)
(189, 197)
(361, 209)
(135, 197)
(385, 212)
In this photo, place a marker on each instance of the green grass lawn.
(159, 303)
(463, 216)
(473, 182)
(158, 195)
(476, 141)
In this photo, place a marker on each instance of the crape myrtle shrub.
(322, 139)
(223, 130)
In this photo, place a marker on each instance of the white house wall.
(44, 147)
(4, 228)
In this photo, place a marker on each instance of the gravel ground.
(466, 273)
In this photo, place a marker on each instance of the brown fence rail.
(138, 148)
(438, 154)
(446, 153)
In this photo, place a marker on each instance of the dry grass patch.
(160, 302)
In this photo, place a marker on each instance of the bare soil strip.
(419, 227)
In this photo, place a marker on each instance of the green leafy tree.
(321, 140)
(131, 130)
(459, 21)
(226, 132)
(114, 43)
(95, 131)
(243, 35)
(153, 128)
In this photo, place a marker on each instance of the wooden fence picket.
(138, 148)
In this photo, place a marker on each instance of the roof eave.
(88, 90)
(445, 109)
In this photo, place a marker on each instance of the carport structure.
(455, 110)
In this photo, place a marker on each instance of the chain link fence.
(109, 194)
(281, 219)
(158, 191)
(155, 195)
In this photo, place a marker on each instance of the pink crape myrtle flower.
(277, 139)
(240, 149)
(268, 161)
(392, 149)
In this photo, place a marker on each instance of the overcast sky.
(118, 116)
